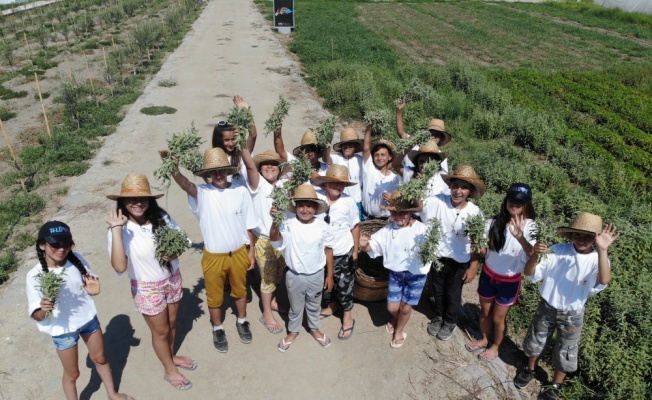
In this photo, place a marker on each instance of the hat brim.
(321, 204)
(445, 140)
(131, 195)
(479, 187)
(230, 170)
(413, 155)
(393, 208)
(320, 180)
(54, 240)
(567, 232)
(357, 143)
(297, 150)
(283, 171)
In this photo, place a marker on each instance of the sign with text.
(284, 13)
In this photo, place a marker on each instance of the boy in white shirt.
(308, 146)
(571, 272)
(346, 154)
(226, 219)
(306, 243)
(378, 181)
(419, 158)
(342, 216)
(398, 243)
(454, 250)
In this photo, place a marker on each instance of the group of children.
(316, 247)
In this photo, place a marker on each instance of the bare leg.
(69, 360)
(216, 315)
(532, 362)
(347, 319)
(268, 316)
(392, 308)
(95, 344)
(403, 316)
(486, 308)
(559, 376)
(241, 307)
(499, 315)
(160, 328)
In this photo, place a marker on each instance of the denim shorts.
(68, 340)
(502, 292)
(405, 287)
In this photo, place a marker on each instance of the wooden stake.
(70, 74)
(45, 115)
(106, 68)
(13, 154)
(90, 80)
(29, 51)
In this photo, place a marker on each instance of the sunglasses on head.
(222, 123)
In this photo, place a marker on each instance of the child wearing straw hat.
(225, 136)
(264, 172)
(419, 158)
(226, 219)
(342, 215)
(309, 146)
(307, 246)
(346, 154)
(398, 243)
(570, 272)
(454, 249)
(156, 290)
(378, 181)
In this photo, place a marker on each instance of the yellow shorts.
(217, 266)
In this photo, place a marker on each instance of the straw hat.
(383, 142)
(307, 139)
(430, 147)
(583, 223)
(268, 156)
(438, 125)
(349, 135)
(215, 159)
(336, 174)
(466, 173)
(396, 203)
(307, 193)
(134, 186)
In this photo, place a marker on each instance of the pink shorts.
(151, 298)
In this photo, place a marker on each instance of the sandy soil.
(230, 50)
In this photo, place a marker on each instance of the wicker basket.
(366, 288)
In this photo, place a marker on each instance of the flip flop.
(189, 364)
(323, 341)
(488, 357)
(474, 347)
(389, 328)
(284, 346)
(271, 328)
(344, 331)
(178, 384)
(395, 345)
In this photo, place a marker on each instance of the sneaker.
(219, 341)
(446, 331)
(435, 326)
(523, 377)
(550, 392)
(244, 331)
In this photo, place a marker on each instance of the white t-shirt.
(344, 216)
(73, 308)
(303, 245)
(436, 184)
(354, 164)
(224, 216)
(140, 248)
(262, 203)
(511, 259)
(321, 171)
(400, 247)
(453, 243)
(374, 183)
(569, 278)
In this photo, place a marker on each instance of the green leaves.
(428, 249)
(50, 284)
(185, 147)
(415, 188)
(241, 119)
(475, 231)
(169, 242)
(324, 131)
(301, 171)
(275, 120)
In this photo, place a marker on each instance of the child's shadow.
(118, 341)
(190, 310)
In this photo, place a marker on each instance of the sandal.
(271, 328)
(343, 332)
(474, 347)
(178, 384)
(284, 346)
(188, 364)
(323, 341)
(389, 328)
(395, 345)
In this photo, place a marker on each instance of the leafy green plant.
(158, 110)
(417, 140)
(240, 117)
(275, 120)
(282, 194)
(184, 147)
(428, 249)
(324, 131)
(50, 285)
(167, 82)
(416, 188)
(170, 242)
(474, 230)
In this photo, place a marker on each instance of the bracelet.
(111, 227)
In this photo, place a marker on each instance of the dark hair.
(154, 213)
(218, 141)
(71, 257)
(497, 228)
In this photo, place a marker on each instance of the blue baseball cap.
(520, 192)
(55, 232)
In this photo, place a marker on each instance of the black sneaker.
(550, 392)
(435, 326)
(244, 331)
(446, 331)
(219, 341)
(523, 377)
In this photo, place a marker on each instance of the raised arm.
(116, 221)
(279, 146)
(397, 162)
(183, 182)
(400, 128)
(252, 173)
(326, 156)
(603, 240)
(253, 133)
(366, 145)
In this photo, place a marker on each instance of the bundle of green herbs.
(416, 90)
(169, 242)
(275, 120)
(417, 140)
(545, 231)
(185, 147)
(475, 231)
(416, 188)
(241, 119)
(428, 248)
(281, 194)
(381, 121)
(50, 285)
(324, 131)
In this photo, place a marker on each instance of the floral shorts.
(151, 298)
(271, 265)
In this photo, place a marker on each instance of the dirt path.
(230, 50)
